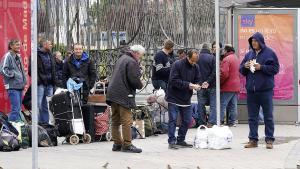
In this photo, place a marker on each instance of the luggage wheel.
(108, 136)
(86, 138)
(74, 139)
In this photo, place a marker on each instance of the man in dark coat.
(81, 68)
(121, 96)
(162, 66)
(259, 66)
(207, 67)
(59, 68)
(184, 78)
(46, 78)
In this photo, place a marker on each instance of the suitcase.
(63, 107)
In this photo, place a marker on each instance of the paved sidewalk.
(156, 155)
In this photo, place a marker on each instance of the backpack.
(143, 113)
(23, 133)
(7, 125)
(52, 131)
(8, 141)
(43, 137)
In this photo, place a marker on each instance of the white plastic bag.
(219, 138)
(201, 138)
(252, 63)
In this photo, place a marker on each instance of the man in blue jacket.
(207, 67)
(184, 78)
(162, 66)
(260, 85)
(46, 78)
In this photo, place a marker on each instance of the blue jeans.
(205, 97)
(229, 103)
(254, 101)
(15, 98)
(186, 116)
(43, 92)
(157, 84)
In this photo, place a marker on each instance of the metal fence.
(100, 25)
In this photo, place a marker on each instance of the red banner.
(278, 30)
(14, 24)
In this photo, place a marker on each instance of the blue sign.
(248, 21)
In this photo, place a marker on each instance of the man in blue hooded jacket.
(259, 86)
(80, 67)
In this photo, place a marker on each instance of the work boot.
(173, 146)
(183, 144)
(251, 144)
(131, 149)
(117, 147)
(269, 145)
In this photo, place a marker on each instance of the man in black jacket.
(184, 78)
(81, 68)
(162, 66)
(59, 68)
(121, 96)
(207, 67)
(46, 78)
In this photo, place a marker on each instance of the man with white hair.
(121, 97)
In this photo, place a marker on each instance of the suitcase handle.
(101, 90)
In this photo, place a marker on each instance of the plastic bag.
(219, 138)
(201, 138)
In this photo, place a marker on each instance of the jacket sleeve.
(41, 75)
(212, 77)
(224, 71)
(6, 67)
(54, 73)
(197, 76)
(92, 74)
(271, 66)
(133, 75)
(175, 79)
(243, 70)
(164, 71)
(66, 74)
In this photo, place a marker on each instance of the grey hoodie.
(14, 76)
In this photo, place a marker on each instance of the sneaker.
(117, 147)
(251, 144)
(184, 144)
(269, 145)
(131, 149)
(173, 146)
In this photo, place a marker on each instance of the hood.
(205, 51)
(84, 56)
(76, 62)
(260, 38)
(39, 50)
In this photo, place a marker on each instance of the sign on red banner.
(14, 24)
